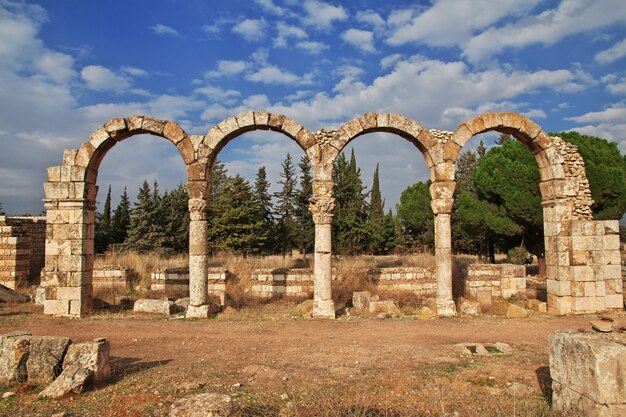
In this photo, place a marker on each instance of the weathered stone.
(361, 300)
(92, 356)
(204, 405)
(7, 295)
(469, 308)
(587, 371)
(46, 358)
(516, 312)
(14, 350)
(600, 325)
(146, 305)
(202, 311)
(426, 313)
(384, 306)
(537, 306)
(73, 379)
(305, 308)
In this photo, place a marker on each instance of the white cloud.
(370, 17)
(535, 114)
(612, 54)
(285, 32)
(390, 60)
(100, 78)
(227, 68)
(270, 7)
(251, 29)
(547, 28)
(218, 94)
(322, 15)
(617, 88)
(135, 72)
(312, 47)
(361, 39)
(161, 29)
(452, 22)
(613, 114)
(271, 74)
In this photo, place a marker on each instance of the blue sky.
(68, 66)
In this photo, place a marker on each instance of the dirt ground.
(274, 363)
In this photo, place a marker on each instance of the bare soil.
(274, 363)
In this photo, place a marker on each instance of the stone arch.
(581, 253)
(70, 200)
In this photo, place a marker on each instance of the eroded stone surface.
(204, 405)
(146, 305)
(73, 379)
(14, 351)
(92, 356)
(46, 358)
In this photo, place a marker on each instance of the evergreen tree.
(219, 177)
(175, 211)
(239, 225)
(103, 231)
(481, 150)
(263, 199)
(415, 218)
(1, 211)
(376, 220)
(285, 207)
(305, 238)
(350, 220)
(145, 233)
(121, 220)
(390, 233)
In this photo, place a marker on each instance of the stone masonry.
(22, 246)
(420, 281)
(113, 277)
(289, 283)
(176, 280)
(485, 281)
(70, 196)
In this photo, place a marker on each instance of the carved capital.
(197, 209)
(322, 209)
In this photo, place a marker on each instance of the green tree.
(239, 225)
(350, 218)
(103, 230)
(285, 208)
(145, 233)
(390, 232)
(263, 199)
(415, 218)
(376, 220)
(121, 219)
(605, 167)
(305, 238)
(175, 212)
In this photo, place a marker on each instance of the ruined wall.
(295, 283)
(22, 250)
(176, 280)
(485, 281)
(106, 277)
(421, 281)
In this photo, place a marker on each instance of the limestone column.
(198, 257)
(443, 257)
(322, 209)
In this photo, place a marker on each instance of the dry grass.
(143, 263)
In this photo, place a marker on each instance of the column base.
(198, 312)
(324, 309)
(446, 308)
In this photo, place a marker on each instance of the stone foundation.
(176, 280)
(107, 277)
(421, 281)
(22, 250)
(291, 283)
(485, 281)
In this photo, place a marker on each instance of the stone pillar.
(322, 209)
(443, 255)
(198, 256)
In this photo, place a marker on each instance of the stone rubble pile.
(63, 366)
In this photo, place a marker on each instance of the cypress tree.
(390, 232)
(263, 199)
(176, 218)
(376, 218)
(285, 207)
(121, 219)
(305, 238)
(103, 232)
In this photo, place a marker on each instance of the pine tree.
(121, 220)
(219, 177)
(103, 231)
(415, 217)
(305, 239)
(481, 150)
(145, 232)
(176, 219)
(285, 207)
(239, 224)
(263, 199)
(376, 218)
(390, 232)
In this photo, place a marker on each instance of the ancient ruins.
(582, 254)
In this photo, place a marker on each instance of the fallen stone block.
(602, 325)
(93, 356)
(587, 371)
(14, 351)
(361, 300)
(426, 313)
(147, 305)
(73, 379)
(384, 306)
(537, 306)
(204, 405)
(469, 308)
(7, 295)
(514, 312)
(305, 308)
(45, 360)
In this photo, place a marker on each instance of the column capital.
(197, 208)
(442, 205)
(322, 209)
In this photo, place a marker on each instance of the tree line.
(497, 207)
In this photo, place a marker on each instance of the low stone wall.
(421, 281)
(295, 283)
(22, 250)
(176, 280)
(484, 281)
(113, 277)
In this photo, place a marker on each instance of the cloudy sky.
(68, 66)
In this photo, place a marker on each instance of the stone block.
(583, 273)
(559, 305)
(173, 132)
(614, 301)
(515, 311)
(46, 358)
(584, 304)
(587, 371)
(204, 405)
(93, 356)
(361, 300)
(56, 307)
(14, 351)
(145, 305)
(73, 379)
(469, 308)
(484, 298)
